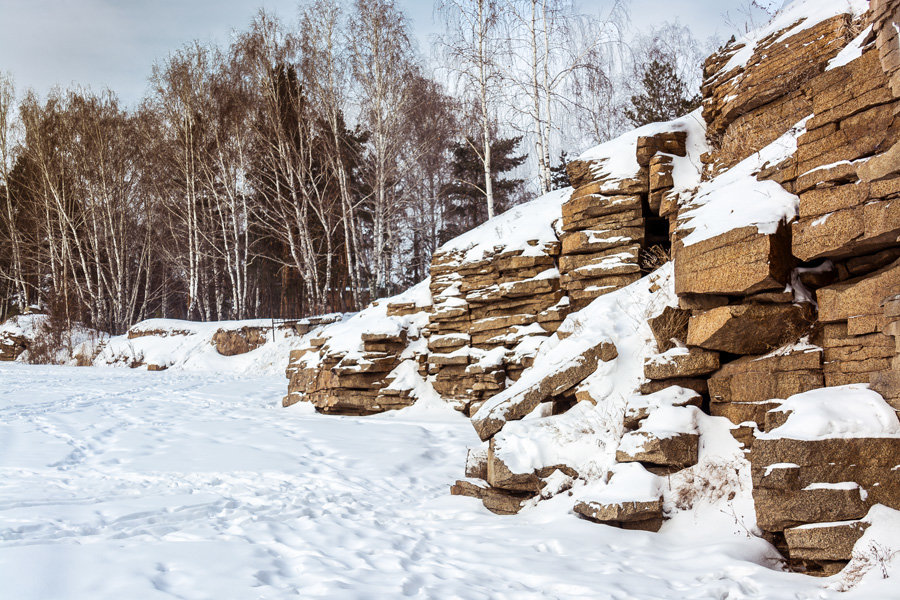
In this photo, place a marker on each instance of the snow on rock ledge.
(848, 411)
(526, 229)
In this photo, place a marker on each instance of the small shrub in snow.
(653, 258)
(712, 481)
(873, 558)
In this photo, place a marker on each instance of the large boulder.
(761, 378)
(748, 328)
(742, 261)
(681, 362)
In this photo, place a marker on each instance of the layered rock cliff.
(765, 356)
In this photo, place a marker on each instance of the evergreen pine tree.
(665, 95)
(559, 177)
(464, 201)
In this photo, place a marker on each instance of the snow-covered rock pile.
(786, 259)
(828, 456)
(574, 423)
(248, 346)
(625, 192)
(561, 425)
(787, 269)
(36, 338)
(365, 363)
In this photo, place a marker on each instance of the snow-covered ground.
(127, 484)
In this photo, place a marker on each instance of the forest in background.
(311, 166)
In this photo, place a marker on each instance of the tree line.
(311, 167)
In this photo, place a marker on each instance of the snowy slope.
(532, 221)
(735, 198)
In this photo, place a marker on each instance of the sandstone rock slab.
(748, 328)
(678, 450)
(762, 378)
(829, 541)
(739, 262)
(681, 362)
(646, 515)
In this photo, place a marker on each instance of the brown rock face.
(697, 384)
(885, 24)
(743, 412)
(842, 233)
(679, 450)
(831, 542)
(762, 378)
(859, 297)
(694, 362)
(849, 174)
(778, 509)
(887, 382)
(740, 262)
(766, 78)
(783, 501)
(854, 358)
(646, 516)
(748, 328)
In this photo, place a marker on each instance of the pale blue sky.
(113, 43)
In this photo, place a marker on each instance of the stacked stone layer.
(489, 316)
(608, 222)
(359, 382)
